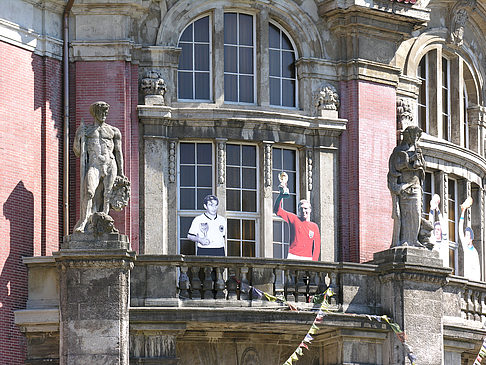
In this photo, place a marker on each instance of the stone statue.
(326, 99)
(405, 177)
(458, 24)
(154, 88)
(103, 184)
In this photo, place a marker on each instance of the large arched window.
(236, 66)
(194, 73)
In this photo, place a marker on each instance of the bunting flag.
(482, 353)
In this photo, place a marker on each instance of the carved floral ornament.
(404, 113)
(153, 87)
(326, 99)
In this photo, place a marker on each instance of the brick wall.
(366, 225)
(115, 82)
(30, 174)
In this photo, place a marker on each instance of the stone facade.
(391, 64)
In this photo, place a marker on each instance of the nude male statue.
(99, 147)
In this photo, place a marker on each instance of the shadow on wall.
(19, 210)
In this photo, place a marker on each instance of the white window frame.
(190, 212)
(255, 97)
(194, 71)
(448, 88)
(296, 95)
(231, 214)
(427, 101)
(454, 245)
(465, 116)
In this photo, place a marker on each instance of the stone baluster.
(219, 285)
(335, 287)
(482, 304)
(184, 284)
(469, 304)
(195, 283)
(464, 304)
(244, 295)
(208, 284)
(289, 285)
(477, 307)
(301, 287)
(231, 284)
(314, 282)
(322, 282)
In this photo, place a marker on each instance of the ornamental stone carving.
(459, 17)
(153, 87)
(103, 183)
(327, 101)
(404, 114)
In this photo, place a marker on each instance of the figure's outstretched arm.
(461, 227)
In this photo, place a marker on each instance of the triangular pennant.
(294, 357)
(299, 351)
(302, 344)
(308, 338)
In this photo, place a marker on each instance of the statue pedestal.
(94, 297)
(412, 280)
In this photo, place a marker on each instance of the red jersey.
(305, 239)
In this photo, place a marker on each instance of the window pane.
(246, 29)
(288, 67)
(233, 248)
(286, 42)
(201, 30)
(230, 59)
(204, 153)
(233, 177)
(246, 89)
(201, 194)
(201, 57)
(291, 183)
(277, 231)
(185, 85)
(188, 176)
(233, 200)
(204, 176)
(187, 198)
(275, 181)
(274, 63)
(185, 60)
(290, 204)
(230, 88)
(249, 155)
(248, 230)
(246, 60)
(273, 36)
(234, 228)
(249, 201)
(288, 93)
(277, 251)
(277, 158)
(202, 85)
(233, 154)
(248, 249)
(249, 178)
(289, 159)
(187, 247)
(230, 28)
(187, 153)
(186, 35)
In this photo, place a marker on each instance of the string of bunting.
(482, 353)
(324, 310)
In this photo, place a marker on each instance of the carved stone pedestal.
(94, 296)
(412, 280)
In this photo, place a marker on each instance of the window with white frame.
(239, 67)
(282, 68)
(194, 72)
(446, 100)
(465, 124)
(453, 223)
(422, 74)
(284, 160)
(429, 191)
(241, 199)
(195, 182)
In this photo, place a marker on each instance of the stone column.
(412, 280)
(94, 295)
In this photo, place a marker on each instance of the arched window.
(194, 73)
(282, 68)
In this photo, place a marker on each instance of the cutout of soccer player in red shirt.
(305, 239)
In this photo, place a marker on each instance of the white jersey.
(472, 269)
(212, 229)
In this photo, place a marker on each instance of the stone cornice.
(451, 158)
(42, 45)
(119, 50)
(38, 320)
(198, 117)
(56, 6)
(359, 69)
(128, 8)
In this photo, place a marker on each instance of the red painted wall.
(366, 225)
(30, 175)
(115, 82)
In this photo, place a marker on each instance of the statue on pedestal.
(405, 177)
(103, 184)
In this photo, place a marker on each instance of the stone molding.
(38, 320)
(28, 39)
(360, 69)
(119, 50)
(172, 160)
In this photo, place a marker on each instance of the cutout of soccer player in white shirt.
(472, 268)
(208, 230)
